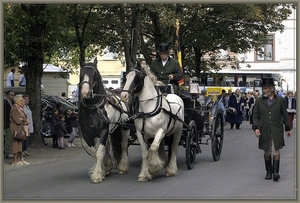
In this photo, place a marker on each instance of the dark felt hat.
(163, 48)
(267, 82)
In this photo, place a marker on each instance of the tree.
(27, 40)
(208, 28)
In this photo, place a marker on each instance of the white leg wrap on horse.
(99, 172)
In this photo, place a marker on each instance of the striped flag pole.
(179, 59)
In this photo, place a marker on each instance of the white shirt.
(9, 78)
(164, 62)
(29, 117)
(22, 80)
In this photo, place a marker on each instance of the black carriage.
(204, 123)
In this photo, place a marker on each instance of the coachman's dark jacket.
(162, 72)
(271, 120)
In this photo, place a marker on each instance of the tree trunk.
(125, 38)
(136, 29)
(198, 56)
(34, 69)
(156, 33)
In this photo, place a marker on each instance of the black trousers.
(237, 126)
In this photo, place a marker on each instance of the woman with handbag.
(18, 126)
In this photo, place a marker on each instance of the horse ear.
(95, 62)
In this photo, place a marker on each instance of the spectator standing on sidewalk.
(72, 125)
(251, 106)
(22, 80)
(270, 120)
(11, 78)
(53, 120)
(43, 121)
(30, 125)
(18, 122)
(63, 95)
(236, 103)
(290, 103)
(8, 102)
(61, 131)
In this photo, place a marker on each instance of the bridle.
(138, 80)
(91, 85)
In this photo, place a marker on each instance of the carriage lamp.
(194, 86)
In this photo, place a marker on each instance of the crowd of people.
(18, 117)
(239, 106)
(62, 123)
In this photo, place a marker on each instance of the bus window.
(114, 82)
(257, 83)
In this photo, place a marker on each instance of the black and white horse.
(98, 115)
(156, 117)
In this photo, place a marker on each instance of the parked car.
(49, 103)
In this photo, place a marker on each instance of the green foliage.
(81, 31)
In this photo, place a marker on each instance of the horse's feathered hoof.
(169, 174)
(144, 178)
(153, 171)
(99, 180)
(122, 172)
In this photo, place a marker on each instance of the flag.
(179, 57)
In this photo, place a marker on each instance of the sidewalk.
(49, 154)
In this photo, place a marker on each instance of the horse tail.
(116, 143)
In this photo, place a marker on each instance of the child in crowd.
(61, 131)
(53, 120)
(72, 126)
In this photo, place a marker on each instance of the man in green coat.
(270, 120)
(167, 69)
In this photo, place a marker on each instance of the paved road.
(239, 174)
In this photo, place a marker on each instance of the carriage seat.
(165, 89)
(188, 101)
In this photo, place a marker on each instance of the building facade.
(280, 54)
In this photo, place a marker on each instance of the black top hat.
(163, 48)
(266, 82)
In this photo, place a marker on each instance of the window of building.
(267, 53)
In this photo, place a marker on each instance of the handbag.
(19, 134)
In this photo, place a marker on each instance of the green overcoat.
(271, 120)
(162, 72)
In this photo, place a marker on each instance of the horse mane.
(151, 75)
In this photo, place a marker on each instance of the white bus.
(243, 79)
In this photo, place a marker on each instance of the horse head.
(134, 82)
(90, 80)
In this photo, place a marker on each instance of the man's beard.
(267, 94)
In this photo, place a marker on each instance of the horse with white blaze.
(156, 116)
(99, 115)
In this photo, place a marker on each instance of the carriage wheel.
(191, 145)
(217, 136)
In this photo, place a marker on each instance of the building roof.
(50, 68)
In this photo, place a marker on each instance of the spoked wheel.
(217, 136)
(191, 145)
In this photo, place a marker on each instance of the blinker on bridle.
(137, 81)
(91, 85)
